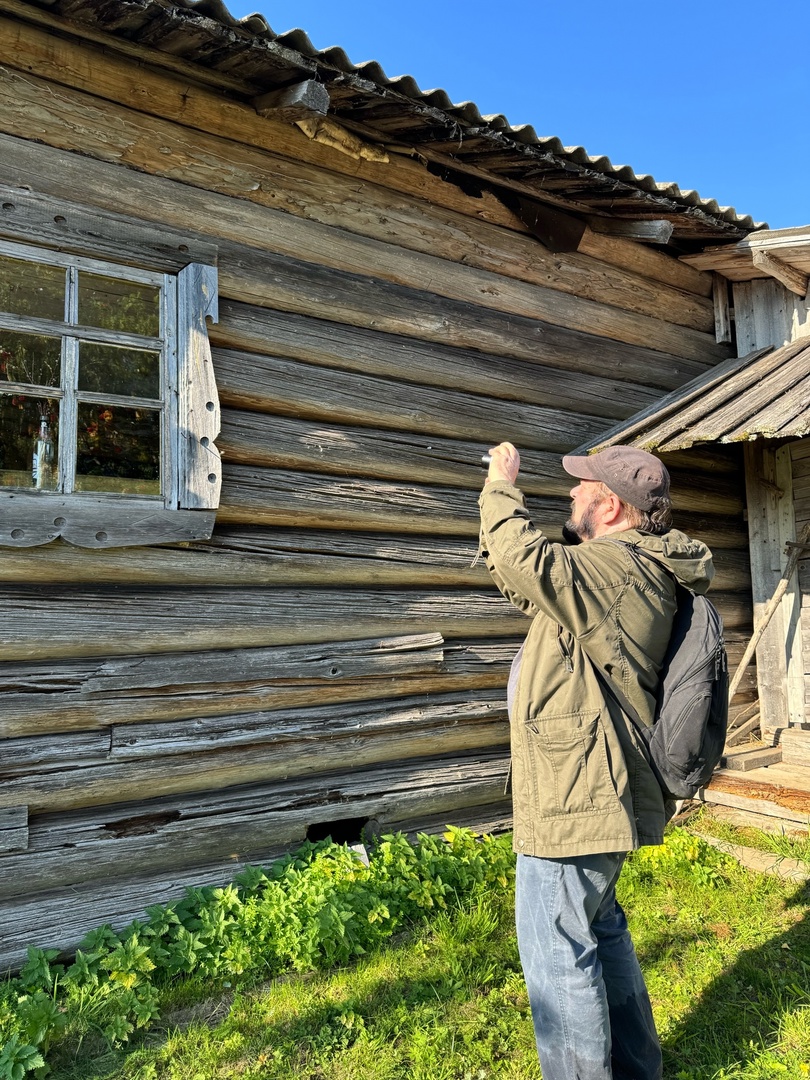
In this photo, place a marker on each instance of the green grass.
(726, 954)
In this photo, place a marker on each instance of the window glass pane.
(28, 288)
(118, 449)
(29, 358)
(119, 305)
(29, 430)
(108, 369)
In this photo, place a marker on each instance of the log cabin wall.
(767, 313)
(800, 459)
(331, 655)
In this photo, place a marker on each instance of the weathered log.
(285, 443)
(58, 223)
(447, 728)
(62, 915)
(41, 698)
(185, 102)
(297, 102)
(86, 622)
(259, 556)
(256, 496)
(53, 697)
(101, 844)
(288, 387)
(44, 753)
(552, 376)
(144, 742)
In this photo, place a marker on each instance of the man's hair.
(656, 521)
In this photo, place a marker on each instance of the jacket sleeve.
(574, 587)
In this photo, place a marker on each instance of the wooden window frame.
(191, 475)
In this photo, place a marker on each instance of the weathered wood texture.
(88, 696)
(772, 525)
(467, 789)
(766, 313)
(260, 556)
(212, 754)
(210, 163)
(550, 374)
(14, 828)
(131, 620)
(140, 86)
(331, 652)
(800, 469)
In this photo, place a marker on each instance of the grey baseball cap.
(638, 478)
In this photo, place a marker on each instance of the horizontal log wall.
(331, 653)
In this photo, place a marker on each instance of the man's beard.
(574, 532)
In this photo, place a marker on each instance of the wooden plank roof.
(765, 394)
(245, 57)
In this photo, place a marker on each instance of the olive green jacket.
(581, 782)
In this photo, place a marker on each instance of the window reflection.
(28, 288)
(118, 449)
(29, 358)
(110, 369)
(113, 304)
(29, 433)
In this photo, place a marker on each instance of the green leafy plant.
(316, 908)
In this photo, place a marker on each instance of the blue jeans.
(590, 1007)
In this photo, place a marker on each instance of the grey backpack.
(688, 734)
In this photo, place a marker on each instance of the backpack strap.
(607, 683)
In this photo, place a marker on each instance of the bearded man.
(583, 790)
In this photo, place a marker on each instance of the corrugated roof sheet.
(518, 142)
(765, 394)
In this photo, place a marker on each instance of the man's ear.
(612, 510)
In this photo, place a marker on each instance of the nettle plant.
(316, 908)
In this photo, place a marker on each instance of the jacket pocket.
(568, 760)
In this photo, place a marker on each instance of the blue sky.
(713, 95)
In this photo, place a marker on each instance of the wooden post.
(795, 551)
(771, 526)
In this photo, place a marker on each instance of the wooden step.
(751, 818)
(795, 743)
(752, 755)
(778, 791)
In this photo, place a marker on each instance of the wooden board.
(783, 786)
(444, 729)
(87, 622)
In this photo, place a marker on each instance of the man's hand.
(505, 464)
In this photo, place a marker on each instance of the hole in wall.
(344, 831)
